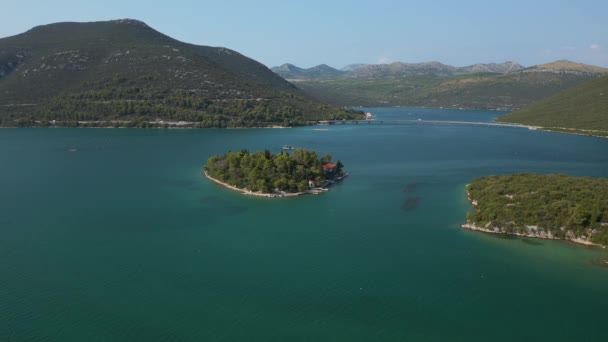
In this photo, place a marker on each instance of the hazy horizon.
(339, 33)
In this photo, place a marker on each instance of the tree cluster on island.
(266, 172)
(559, 206)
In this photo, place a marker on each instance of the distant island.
(274, 175)
(541, 206)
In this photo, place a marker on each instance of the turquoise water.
(113, 235)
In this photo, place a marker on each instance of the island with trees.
(274, 175)
(541, 206)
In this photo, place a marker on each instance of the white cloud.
(384, 60)
(595, 46)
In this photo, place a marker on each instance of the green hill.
(123, 70)
(437, 85)
(582, 109)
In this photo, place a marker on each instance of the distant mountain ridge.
(500, 68)
(353, 66)
(396, 69)
(290, 71)
(399, 69)
(567, 67)
(503, 86)
(123, 70)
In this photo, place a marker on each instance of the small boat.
(287, 147)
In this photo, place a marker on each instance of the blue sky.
(341, 32)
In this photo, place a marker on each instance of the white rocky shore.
(314, 191)
(532, 231)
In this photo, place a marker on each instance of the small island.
(556, 207)
(274, 175)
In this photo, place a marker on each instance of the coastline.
(564, 130)
(315, 191)
(130, 124)
(161, 124)
(498, 230)
(572, 131)
(542, 235)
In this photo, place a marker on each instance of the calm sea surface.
(113, 235)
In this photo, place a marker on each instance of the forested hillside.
(582, 109)
(123, 70)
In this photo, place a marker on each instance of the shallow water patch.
(411, 203)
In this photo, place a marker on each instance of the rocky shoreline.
(535, 234)
(543, 235)
(315, 191)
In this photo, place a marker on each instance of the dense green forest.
(582, 109)
(564, 206)
(265, 172)
(124, 73)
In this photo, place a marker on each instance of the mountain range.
(124, 70)
(503, 86)
(290, 71)
(396, 69)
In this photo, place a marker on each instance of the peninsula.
(274, 175)
(555, 207)
(579, 110)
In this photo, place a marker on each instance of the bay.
(113, 235)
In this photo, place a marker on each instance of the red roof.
(329, 166)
